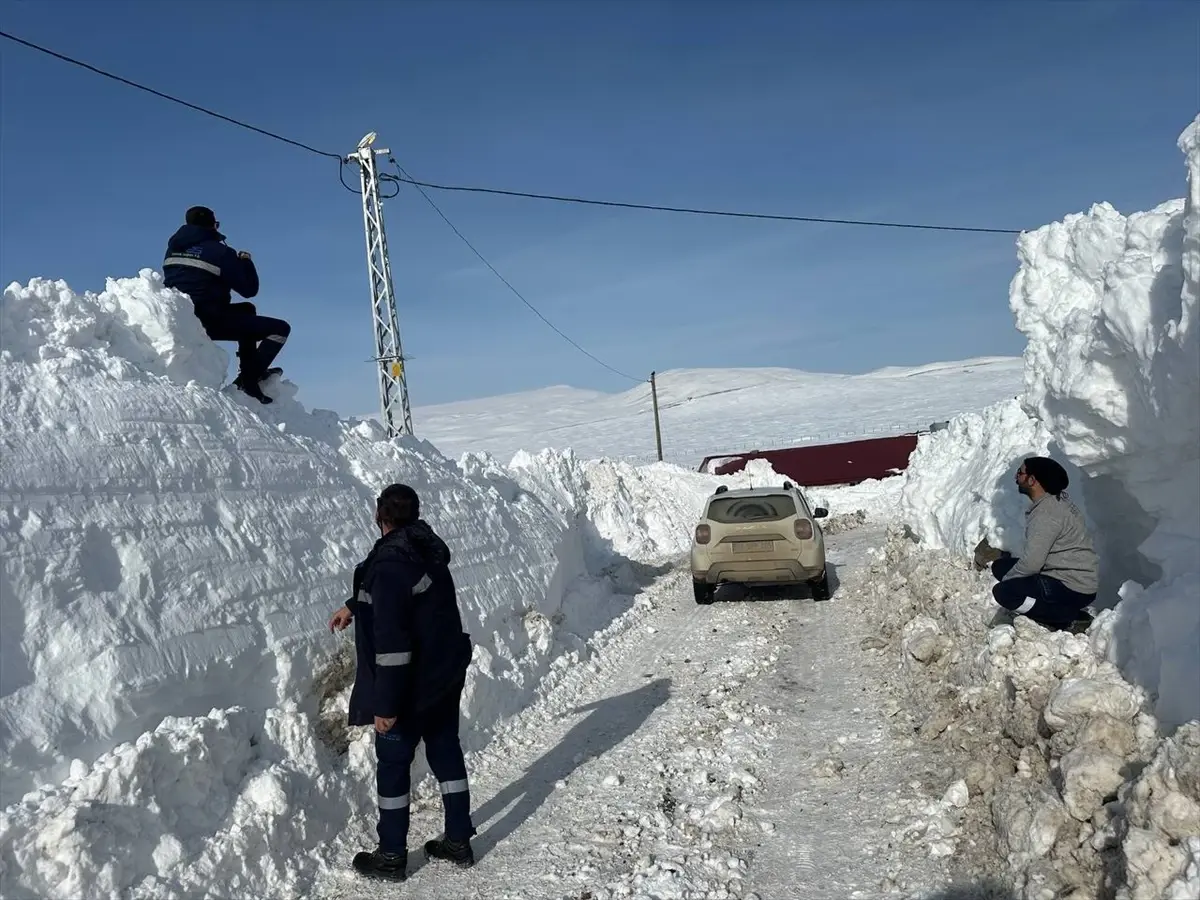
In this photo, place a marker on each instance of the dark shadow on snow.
(730, 592)
(988, 889)
(610, 722)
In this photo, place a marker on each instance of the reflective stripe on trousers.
(438, 727)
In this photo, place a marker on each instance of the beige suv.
(759, 536)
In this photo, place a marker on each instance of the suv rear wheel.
(705, 593)
(820, 587)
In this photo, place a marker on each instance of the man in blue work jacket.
(411, 669)
(199, 263)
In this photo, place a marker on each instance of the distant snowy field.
(710, 411)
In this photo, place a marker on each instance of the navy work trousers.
(1044, 599)
(394, 751)
(259, 338)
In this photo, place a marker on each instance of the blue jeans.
(394, 752)
(1044, 599)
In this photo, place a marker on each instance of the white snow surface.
(1112, 389)
(171, 702)
(171, 554)
(707, 412)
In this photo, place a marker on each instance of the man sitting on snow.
(1058, 574)
(412, 666)
(200, 264)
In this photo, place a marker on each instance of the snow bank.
(661, 501)
(171, 703)
(1061, 755)
(1112, 385)
(959, 487)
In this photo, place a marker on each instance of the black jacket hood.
(418, 541)
(425, 541)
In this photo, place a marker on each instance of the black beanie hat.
(1049, 474)
(202, 216)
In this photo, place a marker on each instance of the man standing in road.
(1057, 575)
(411, 669)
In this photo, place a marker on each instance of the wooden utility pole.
(657, 423)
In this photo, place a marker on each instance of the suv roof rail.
(721, 488)
(787, 485)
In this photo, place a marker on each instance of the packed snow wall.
(171, 553)
(1112, 387)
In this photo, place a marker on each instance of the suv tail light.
(804, 529)
(703, 534)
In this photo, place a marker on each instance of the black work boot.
(384, 866)
(1003, 616)
(250, 386)
(457, 852)
(1083, 620)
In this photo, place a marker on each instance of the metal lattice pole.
(389, 354)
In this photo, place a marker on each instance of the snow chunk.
(922, 640)
(134, 328)
(1075, 700)
(1089, 777)
(1028, 818)
(957, 795)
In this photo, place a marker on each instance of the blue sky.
(1003, 115)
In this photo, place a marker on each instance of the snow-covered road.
(848, 790)
(698, 755)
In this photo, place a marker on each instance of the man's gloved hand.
(243, 254)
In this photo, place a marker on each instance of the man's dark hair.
(202, 216)
(397, 506)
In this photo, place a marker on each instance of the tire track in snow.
(842, 776)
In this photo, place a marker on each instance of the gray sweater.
(1057, 545)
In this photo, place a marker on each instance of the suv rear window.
(762, 508)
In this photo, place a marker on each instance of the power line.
(404, 178)
(508, 193)
(156, 93)
(704, 212)
(396, 180)
(407, 180)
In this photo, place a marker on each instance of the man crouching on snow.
(412, 664)
(1058, 574)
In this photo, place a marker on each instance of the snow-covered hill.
(711, 411)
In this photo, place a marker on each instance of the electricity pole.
(389, 354)
(657, 424)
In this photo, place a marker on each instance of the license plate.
(753, 546)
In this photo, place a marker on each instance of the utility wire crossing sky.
(403, 177)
